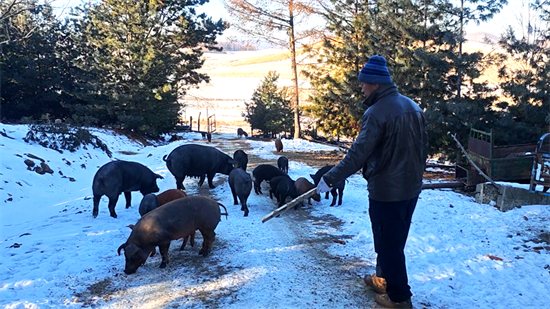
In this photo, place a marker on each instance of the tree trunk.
(294, 70)
(459, 69)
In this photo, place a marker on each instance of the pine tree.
(32, 72)
(419, 41)
(269, 112)
(526, 112)
(145, 55)
(344, 51)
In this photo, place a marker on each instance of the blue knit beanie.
(375, 71)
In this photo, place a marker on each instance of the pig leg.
(179, 182)
(163, 248)
(244, 207)
(235, 202)
(258, 185)
(97, 198)
(326, 196)
(282, 198)
(112, 204)
(191, 238)
(210, 178)
(334, 194)
(128, 196)
(340, 195)
(201, 180)
(184, 242)
(208, 236)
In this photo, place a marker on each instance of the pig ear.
(158, 176)
(131, 226)
(312, 176)
(131, 249)
(121, 247)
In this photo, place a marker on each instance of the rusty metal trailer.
(501, 163)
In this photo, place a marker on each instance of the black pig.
(338, 187)
(264, 172)
(241, 132)
(282, 163)
(286, 188)
(240, 183)
(197, 160)
(120, 176)
(240, 159)
(273, 186)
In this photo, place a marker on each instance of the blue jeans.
(391, 222)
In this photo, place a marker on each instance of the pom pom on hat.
(375, 71)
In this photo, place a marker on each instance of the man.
(391, 149)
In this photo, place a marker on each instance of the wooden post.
(190, 123)
(286, 206)
(199, 123)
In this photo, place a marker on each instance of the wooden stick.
(442, 185)
(286, 206)
(475, 165)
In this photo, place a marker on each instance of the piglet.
(240, 159)
(273, 183)
(151, 201)
(264, 172)
(286, 188)
(302, 186)
(240, 183)
(282, 164)
(337, 190)
(241, 132)
(278, 145)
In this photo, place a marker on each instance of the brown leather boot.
(385, 301)
(378, 284)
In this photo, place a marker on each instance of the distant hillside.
(258, 63)
(482, 37)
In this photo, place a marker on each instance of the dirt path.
(283, 263)
(334, 281)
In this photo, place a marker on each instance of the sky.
(54, 254)
(510, 15)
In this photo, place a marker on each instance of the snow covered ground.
(53, 254)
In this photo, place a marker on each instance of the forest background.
(131, 66)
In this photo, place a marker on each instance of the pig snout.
(135, 257)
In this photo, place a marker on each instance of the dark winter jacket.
(391, 147)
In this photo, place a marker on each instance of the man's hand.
(322, 187)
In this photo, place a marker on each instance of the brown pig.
(151, 201)
(303, 185)
(174, 220)
(278, 144)
(170, 195)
